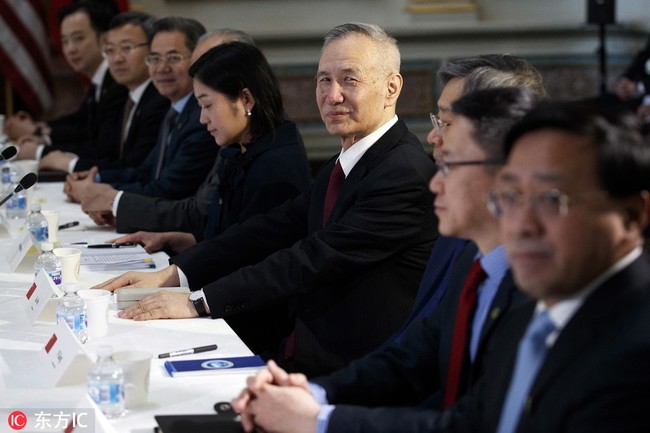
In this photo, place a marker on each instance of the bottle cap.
(47, 246)
(70, 287)
(36, 207)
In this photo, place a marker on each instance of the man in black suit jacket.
(352, 276)
(184, 153)
(420, 367)
(574, 202)
(82, 26)
(125, 141)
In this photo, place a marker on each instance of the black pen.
(68, 225)
(116, 245)
(188, 351)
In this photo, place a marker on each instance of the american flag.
(25, 52)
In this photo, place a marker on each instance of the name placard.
(63, 359)
(40, 305)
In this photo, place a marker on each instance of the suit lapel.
(590, 319)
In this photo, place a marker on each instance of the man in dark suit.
(185, 152)
(435, 357)
(126, 141)
(458, 78)
(352, 273)
(82, 27)
(139, 212)
(574, 202)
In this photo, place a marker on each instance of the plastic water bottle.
(49, 262)
(106, 384)
(16, 207)
(72, 310)
(37, 224)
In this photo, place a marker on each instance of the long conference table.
(21, 374)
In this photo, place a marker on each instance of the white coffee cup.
(52, 218)
(97, 302)
(136, 365)
(70, 261)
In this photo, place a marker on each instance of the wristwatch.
(198, 299)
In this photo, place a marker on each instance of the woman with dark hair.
(263, 158)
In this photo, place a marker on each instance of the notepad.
(116, 259)
(200, 367)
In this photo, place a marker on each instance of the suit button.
(495, 313)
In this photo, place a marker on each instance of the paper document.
(116, 258)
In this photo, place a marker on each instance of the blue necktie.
(530, 355)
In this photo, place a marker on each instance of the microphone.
(26, 182)
(8, 153)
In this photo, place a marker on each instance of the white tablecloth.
(21, 381)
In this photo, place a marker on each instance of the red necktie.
(466, 306)
(333, 188)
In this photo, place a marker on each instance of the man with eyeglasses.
(126, 141)
(82, 26)
(185, 151)
(435, 354)
(574, 202)
(458, 78)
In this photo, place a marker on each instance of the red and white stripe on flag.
(25, 52)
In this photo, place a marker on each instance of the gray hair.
(230, 35)
(388, 58)
(493, 70)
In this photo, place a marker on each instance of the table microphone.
(8, 153)
(26, 182)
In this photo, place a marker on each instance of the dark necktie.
(460, 341)
(530, 355)
(125, 120)
(333, 188)
(168, 124)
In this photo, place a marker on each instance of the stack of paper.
(116, 259)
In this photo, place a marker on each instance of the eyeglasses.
(548, 204)
(445, 166)
(170, 59)
(438, 125)
(123, 49)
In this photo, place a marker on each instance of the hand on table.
(27, 146)
(161, 305)
(272, 376)
(76, 184)
(167, 277)
(97, 197)
(152, 241)
(56, 160)
(103, 218)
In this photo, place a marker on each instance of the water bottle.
(16, 207)
(37, 224)
(106, 384)
(49, 262)
(72, 310)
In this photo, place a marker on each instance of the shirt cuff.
(39, 152)
(72, 163)
(182, 278)
(323, 420)
(318, 392)
(116, 202)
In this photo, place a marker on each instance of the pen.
(117, 245)
(68, 225)
(188, 351)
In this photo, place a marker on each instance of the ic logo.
(215, 364)
(17, 420)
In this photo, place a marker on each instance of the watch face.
(195, 296)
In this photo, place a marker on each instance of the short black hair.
(141, 19)
(229, 68)
(493, 112)
(191, 28)
(622, 153)
(99, 13)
